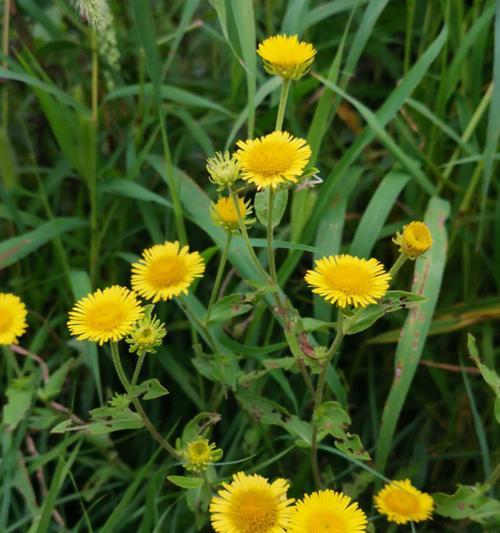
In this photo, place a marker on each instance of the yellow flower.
(401, 502)
(346, 280)
(327, 511)
(274, 159)
(12, 318)
(286, 56)
(166, 270)
(199, 454)
(223, 169)
(415, 240)
(224, 214)
(250, 504)
(105, 315)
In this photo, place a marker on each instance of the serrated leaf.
(18, 403)
(261, 204)
(186, 482)
(56, 381)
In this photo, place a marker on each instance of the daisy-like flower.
(286, 56)
(147, 334)
(12, 318)
(401, 502)
(327, 511)
(105, 315)
(415, 239)
(250, 504)
(272, 160)
(346, 280)
(166, 270)
(199, 454)
(224, 214)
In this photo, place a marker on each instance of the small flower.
(401, 502)
(273, 160)
(224, 214)
(415, 240)
(224, 170)
(105, 315)
(199, 454)
(147, 334)
(286, 56)
(346, 280)
(12, 318)
(250, 504)
(166, 270)
(327, 511)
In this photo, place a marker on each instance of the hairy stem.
(137, 404)
(218, 277)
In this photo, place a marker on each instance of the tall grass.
(103, 152)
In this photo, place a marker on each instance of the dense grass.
(104, 154)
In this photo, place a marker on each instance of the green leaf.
(150, 390)
(198, 425)
(220, 368)
(19, 397)
(261, 204)
(229, 307)
(331, 419)
(468, 502)
(56, 381)
(490, 376)
(16, 248)
(186, 482)
(365, 317)
(427, 283)
(298, 428)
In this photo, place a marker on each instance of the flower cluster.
(250, 503)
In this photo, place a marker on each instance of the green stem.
(201, 325)
(218, 277)
(92, 178)
(11, 358)
(246, 239)
(318, 398)
(137, 370)
(5, 52)
(137, 404)
(269, 238)
(285, 88)
(400, 261)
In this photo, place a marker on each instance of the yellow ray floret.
(105, 315)
(225, 215)
(166, 270)
(415, 239)
(250, 504)
(346, 280)
(401, 502)
(286, 56)
(273, 160)
(327, 511)
(12, 318)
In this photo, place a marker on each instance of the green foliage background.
(402, 113)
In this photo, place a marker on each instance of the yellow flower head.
(12, 318)
(105, 315)
(250, 504)
(223, 169)
(401, 502)
(327, 511)
(346, 280)
(415, 240)
(286, 56)
(274, 159)
(166, 270)
(199, 454)
(224, 214)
